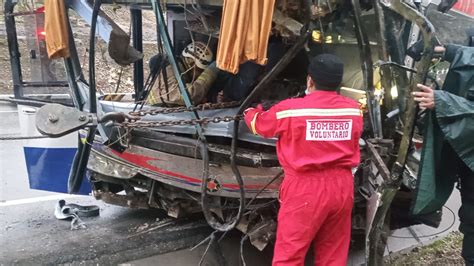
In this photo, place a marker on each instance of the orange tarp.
(56, 29)
(245, 29)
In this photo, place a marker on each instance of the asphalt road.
(30, 234)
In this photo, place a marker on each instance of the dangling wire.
(153, 76)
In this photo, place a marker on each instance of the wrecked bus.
(197, 156)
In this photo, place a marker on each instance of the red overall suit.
(318, 144)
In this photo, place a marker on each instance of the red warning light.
(40, 33)
(40, 10)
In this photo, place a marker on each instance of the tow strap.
(72, 211)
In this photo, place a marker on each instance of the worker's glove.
(266, 105)
(416, 51)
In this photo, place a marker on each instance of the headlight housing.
(110, 167)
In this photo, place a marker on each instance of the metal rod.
(367, 70)
(45, 84)
(136, 16)
(34, 12)
(382, 36)
(151, 197)
(13, 48)
(92, 81)
(73, 69)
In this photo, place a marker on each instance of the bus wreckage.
(198, 156)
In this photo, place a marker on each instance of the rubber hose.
(211, 220)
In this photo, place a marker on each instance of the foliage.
(446, 251)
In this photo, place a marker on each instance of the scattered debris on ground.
(446, 251)
(73, 212)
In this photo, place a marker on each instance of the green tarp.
(449, 134)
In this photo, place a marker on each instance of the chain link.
(137, 123)
(192, 122)
(205, 106)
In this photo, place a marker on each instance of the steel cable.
(23, 137)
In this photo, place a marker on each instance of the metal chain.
(193, 122)
(206, 106)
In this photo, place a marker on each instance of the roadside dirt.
(446, 251)
(5, 83)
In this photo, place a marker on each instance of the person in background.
(198, 71)
(450, 136)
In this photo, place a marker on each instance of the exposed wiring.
(262, 189)
(211, 220)
(244, 238)
(435, 65)
(119, 80)
(434, 234)
(190, 12)
(203, 241)
(120, 138)
(200, 14)
(212, 239)
(192, 38)
(187, 22)
(389, 252)
(242, 241)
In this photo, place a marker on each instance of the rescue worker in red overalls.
(318, 145)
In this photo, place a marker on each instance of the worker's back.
(319, 131)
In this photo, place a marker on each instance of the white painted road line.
(39, 199)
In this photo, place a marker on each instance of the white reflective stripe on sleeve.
(318, 112)
(252, 124)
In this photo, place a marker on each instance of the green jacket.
(449, 133)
